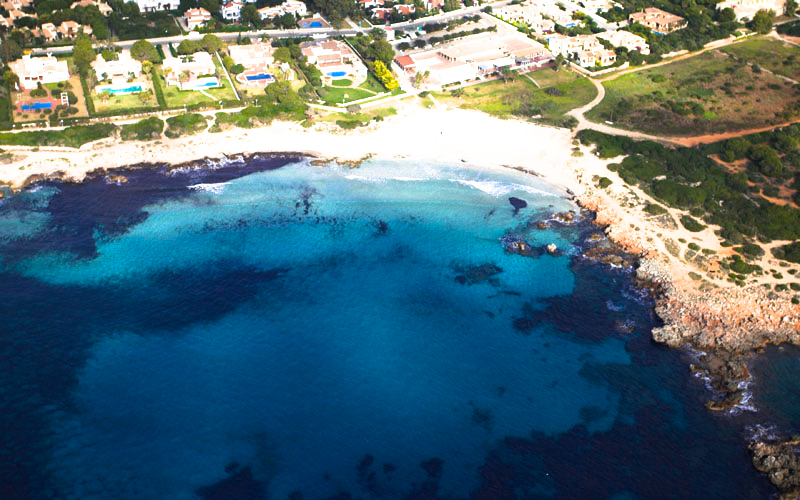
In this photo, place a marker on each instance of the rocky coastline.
(724, 328)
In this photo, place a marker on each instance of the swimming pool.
(337, 73)
(200, 84)
(312, 24)
(132, 89)
(37, 106)
(260, 76)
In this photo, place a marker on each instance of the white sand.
(449, 135)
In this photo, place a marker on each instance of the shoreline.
(725, 323)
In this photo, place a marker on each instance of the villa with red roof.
(334, 59)
(196, 17)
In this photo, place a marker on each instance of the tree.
(213, 6)
(183, 78)
(288, 20)
(283, 54)
(83, 53)
(211, 43)
(10, 50)
(508, 74)
(142, 50)
(105, 96)
(10, 78)
(385, 76)
(236, 69)
(790, 7)
(763, 21)
(559, 62)
(250, 14)
(727, 15)
(188, 47)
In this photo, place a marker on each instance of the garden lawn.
(342, 82)
(334, 95)
(560, 92)
(372, 84)
(779, 57)
(126, 104)
(706, 94)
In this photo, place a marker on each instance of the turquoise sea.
(269, 329)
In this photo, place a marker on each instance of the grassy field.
(342, 82)
(774, 55)
(126, 104)
(709, 93)
(558, 92)
(372, 85)
(333, 95)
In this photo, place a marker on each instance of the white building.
(195, 71)
(123, 68)
(196, 17)
(622, 38)
(570, 45)
(334, 59)
(232, 11)
(746, 9)
(475, 56)
(295, 7)
(34, 70)
(602, 57)
(155, 5)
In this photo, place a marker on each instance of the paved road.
(293, 33)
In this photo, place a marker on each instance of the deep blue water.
(272, 329)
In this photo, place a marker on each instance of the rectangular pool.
(34, 106)
(132, 89)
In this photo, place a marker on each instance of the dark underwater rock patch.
(484, 273)
(518, 204)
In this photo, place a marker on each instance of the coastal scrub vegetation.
(688, 179)
(774, 55)
(185, 124)
(769, 162)
(281, 101)
(73, 137)
(143, 130)
(709, 93)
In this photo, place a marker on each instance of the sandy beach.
(450, 135)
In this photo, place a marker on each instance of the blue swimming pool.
(36, 106)
(131, 89)
(260, 76)
(336, 74)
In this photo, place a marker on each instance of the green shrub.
(144, 130)
(694, 246)
(691, 224)
(185, 124)
(655, 209)
(604, 182)
(739, 266)
(73, 137)
(750, 250)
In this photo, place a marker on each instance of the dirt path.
(584, 123)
